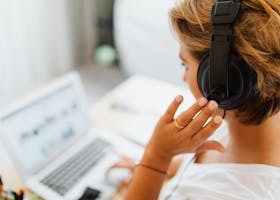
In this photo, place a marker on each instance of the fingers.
(196, 124)
(127, 180)
(125, 162)
(211, 145)
(171, 110)
(122, 165)
(208, 130)
(186, 117)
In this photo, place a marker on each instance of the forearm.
(147, 183)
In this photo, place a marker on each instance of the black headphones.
(222, 75)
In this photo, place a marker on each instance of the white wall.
(40, 39)
(145, 41)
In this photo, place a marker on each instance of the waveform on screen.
(55, 143)
(46, 122)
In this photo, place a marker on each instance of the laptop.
(56, 148)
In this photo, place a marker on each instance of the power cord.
(180, 179)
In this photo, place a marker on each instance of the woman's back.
(228, 181)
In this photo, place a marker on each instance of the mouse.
(116, 176)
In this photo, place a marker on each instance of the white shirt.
(226, 181)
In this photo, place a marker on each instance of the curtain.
(40, 39)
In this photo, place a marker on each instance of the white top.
(226, 181)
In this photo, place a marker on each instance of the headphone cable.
(183, 172)
(224, 115)
(180, 178)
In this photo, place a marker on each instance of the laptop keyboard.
(71, 171)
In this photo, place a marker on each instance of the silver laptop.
(55, 147)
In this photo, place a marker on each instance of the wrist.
(156, 160)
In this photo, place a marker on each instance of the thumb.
(211, 145)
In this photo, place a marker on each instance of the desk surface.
(137, 101)
(131, 109)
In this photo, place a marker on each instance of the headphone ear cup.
(241, 82)
(203, 76)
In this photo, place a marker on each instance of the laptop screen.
(40, 130)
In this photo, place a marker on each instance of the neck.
(254, 143)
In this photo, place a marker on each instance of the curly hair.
(256, 39)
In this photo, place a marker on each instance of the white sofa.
(144, 39)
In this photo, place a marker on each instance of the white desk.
(133, 108)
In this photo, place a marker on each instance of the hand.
(125, 163)
(188, 133)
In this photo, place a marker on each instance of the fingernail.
(202, 101)
(212, 105)
(179, 98)
(218, 119)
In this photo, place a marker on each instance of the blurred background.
(105, 40)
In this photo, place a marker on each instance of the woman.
(245, 164)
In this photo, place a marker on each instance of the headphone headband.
(223, 15)
(225, 11)
(222, 74)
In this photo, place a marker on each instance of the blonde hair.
(256, 39)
